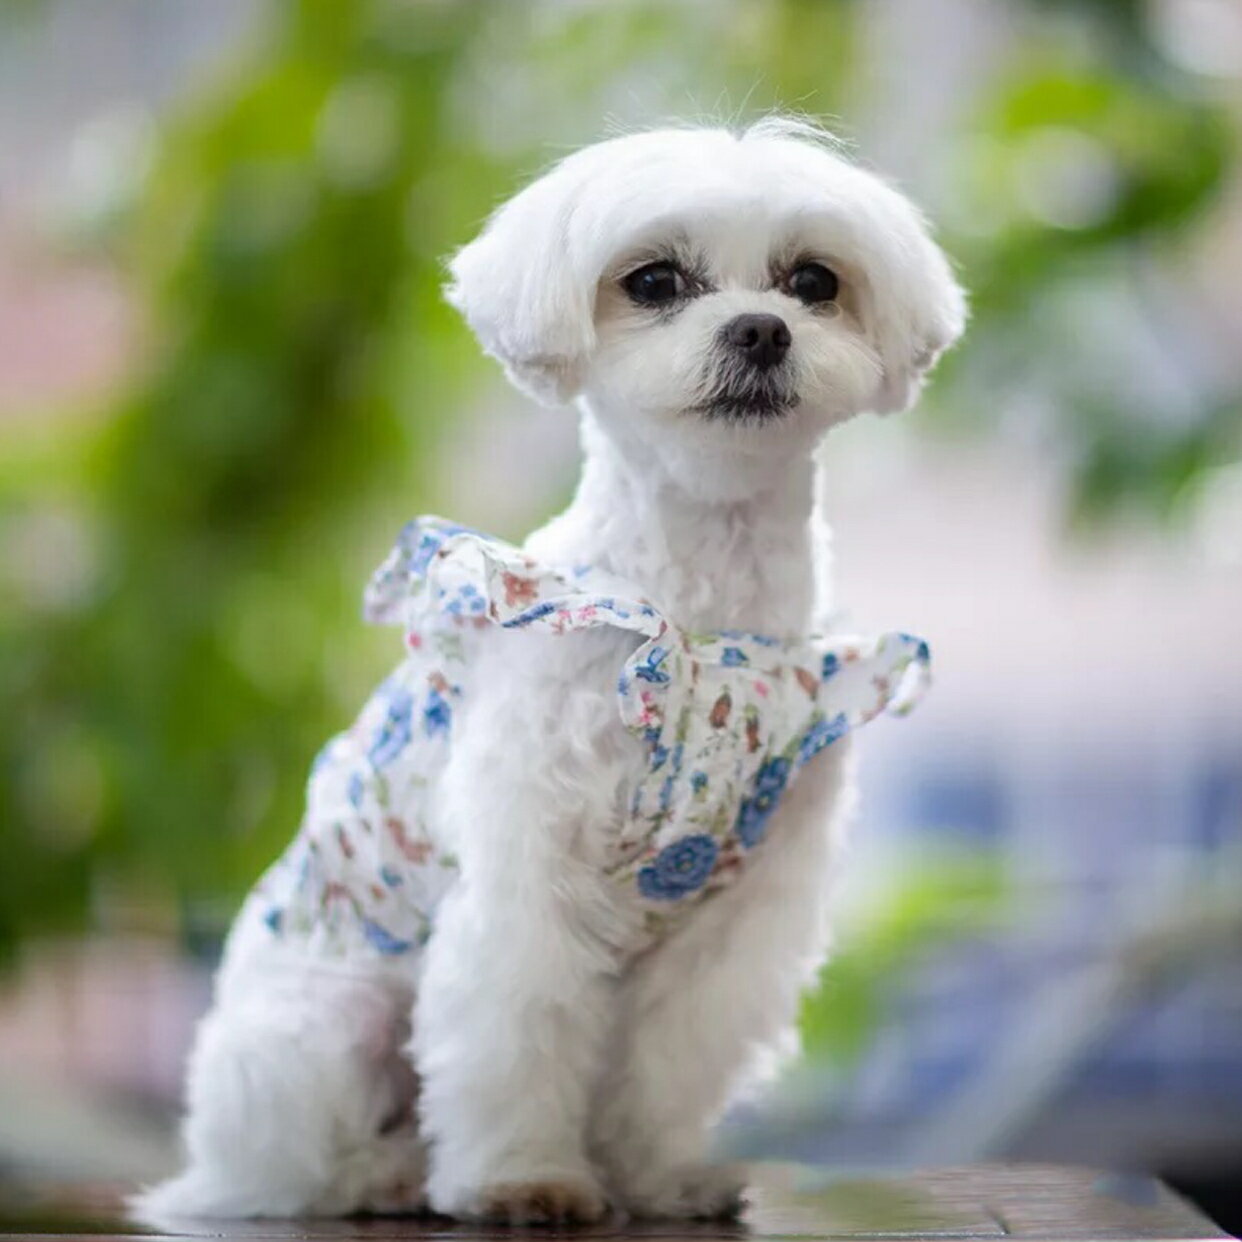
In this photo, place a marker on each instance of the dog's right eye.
(655, 284)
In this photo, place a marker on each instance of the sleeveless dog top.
(726, 721)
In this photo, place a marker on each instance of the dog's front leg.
(706, 1011)
(515, 998)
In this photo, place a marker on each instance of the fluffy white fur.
(536, 1069)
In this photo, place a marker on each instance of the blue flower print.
(771, 778)
(733, 657)
(469, 601)
(437, 713)
(764, 640)
(679, 868)
(752, 822)
(423, 552)
(666, 791)
(698, 781)
(383, 940)
(608, 603)
(393, 735)
(421, 545)
(354, 790)
(822, 733)
(831, 664)
(649, 668)
(659, 756)
(531, 614)
(752, 818)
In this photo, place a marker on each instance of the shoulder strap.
(440, 567)
(861, 677)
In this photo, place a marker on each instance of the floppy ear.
(926, 315)
(523, 294)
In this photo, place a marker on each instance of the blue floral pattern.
(726, 721)
(393, 734)
(823, 732)
(756, 810)
(437, 714)
(679, 868)
(648, 668)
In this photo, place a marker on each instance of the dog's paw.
(700, 1192)
(550, 1202)
(401, 1197)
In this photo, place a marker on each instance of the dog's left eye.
(655, 284)
(813, 283)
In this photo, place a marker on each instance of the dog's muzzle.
(751, 380)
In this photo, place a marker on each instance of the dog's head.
(753, 288)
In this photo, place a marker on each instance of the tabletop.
(785, 1201)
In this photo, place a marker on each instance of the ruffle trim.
(445, 569)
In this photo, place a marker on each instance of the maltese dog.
(557, 890)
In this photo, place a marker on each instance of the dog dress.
(726, 721)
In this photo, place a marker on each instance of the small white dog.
(713, 302)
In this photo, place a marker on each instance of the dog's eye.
(813, 283)
(655, 284)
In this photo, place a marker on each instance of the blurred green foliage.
(178, 617)
(164, 708)
(943, 898)
(1089, 173)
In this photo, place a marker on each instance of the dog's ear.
(922, 313)
(520, 289)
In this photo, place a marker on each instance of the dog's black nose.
(764, 339)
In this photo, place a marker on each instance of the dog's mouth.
(759, 403)
(735, 391)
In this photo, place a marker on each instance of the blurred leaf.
(948, 898)
(1126, 467)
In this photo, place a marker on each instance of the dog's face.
(696, 286)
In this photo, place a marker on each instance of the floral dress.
(726, 721)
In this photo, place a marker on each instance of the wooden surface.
(787, 1202)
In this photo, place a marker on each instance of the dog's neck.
(748, 561)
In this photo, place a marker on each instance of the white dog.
(626, 902)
